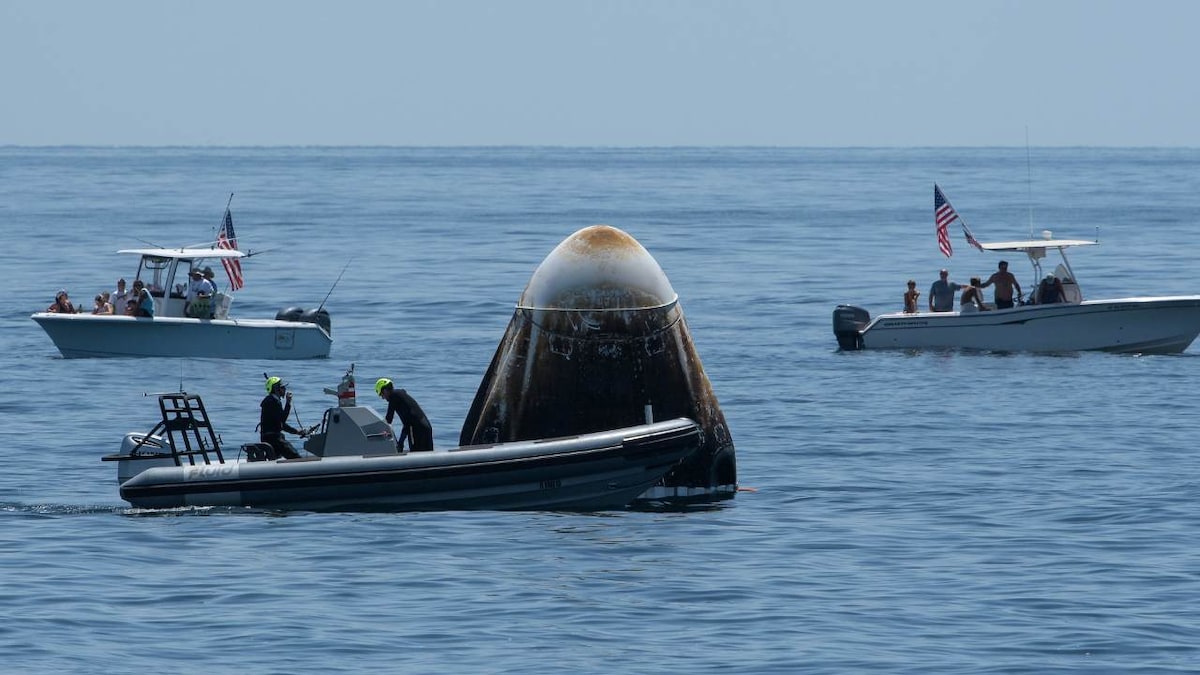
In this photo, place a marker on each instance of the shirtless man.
(1005, 281)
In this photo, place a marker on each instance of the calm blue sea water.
(913, 512)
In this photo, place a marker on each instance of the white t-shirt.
(118, 299)
(198, 286)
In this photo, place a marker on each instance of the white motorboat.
(178, 329)
(1146, 325)
(353, 464)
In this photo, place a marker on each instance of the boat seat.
(1071, 292)
(179, 424)
(259, 452)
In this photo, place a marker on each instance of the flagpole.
(968, 233)
(213, 239)
(222, 222)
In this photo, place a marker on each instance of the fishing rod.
(148, 243)
(335, 283)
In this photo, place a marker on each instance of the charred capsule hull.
(599, 341)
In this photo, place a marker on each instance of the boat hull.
(92, 336)
(1165, 325)
(590, 472)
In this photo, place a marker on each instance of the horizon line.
(281, 146)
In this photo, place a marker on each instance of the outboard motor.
(318, 316)
(289, 314)
(848, 323)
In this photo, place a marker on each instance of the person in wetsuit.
(273, 420)
(415, 425)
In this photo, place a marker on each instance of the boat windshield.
(153, 273)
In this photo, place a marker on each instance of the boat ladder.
(187, 428)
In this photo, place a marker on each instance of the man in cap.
(1050, 290)
(200, 290)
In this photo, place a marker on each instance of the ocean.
(900, 512)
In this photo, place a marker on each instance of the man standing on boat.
(1005, 281)
(941, 293)
(200, 291)
(119, 297)
(272, 422)
(415, 425)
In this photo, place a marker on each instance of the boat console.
(351, 431)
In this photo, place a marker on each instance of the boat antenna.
(1029, 180)
(149, 243)
(335, 283)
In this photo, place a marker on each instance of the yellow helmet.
(272, 382)
(380, 384)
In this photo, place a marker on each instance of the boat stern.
(138, 453)
(848, 324)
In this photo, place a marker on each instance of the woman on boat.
(62, 304)
(145, 301)
(102, 305)
(972, 298)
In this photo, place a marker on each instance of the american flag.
(970, 237)
(943, 215)
(227, 239)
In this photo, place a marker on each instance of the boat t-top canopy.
(1031, 244)
(1036, 250)
(185, 253)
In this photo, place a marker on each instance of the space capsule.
(598, 340)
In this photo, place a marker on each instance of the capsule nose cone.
(598, 267)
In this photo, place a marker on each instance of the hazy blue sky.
(574, 72)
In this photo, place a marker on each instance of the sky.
(890, 73)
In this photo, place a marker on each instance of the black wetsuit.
(273, 422)
(416, 425)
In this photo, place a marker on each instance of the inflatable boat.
(351, 463)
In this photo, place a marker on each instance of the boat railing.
(187, 429)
